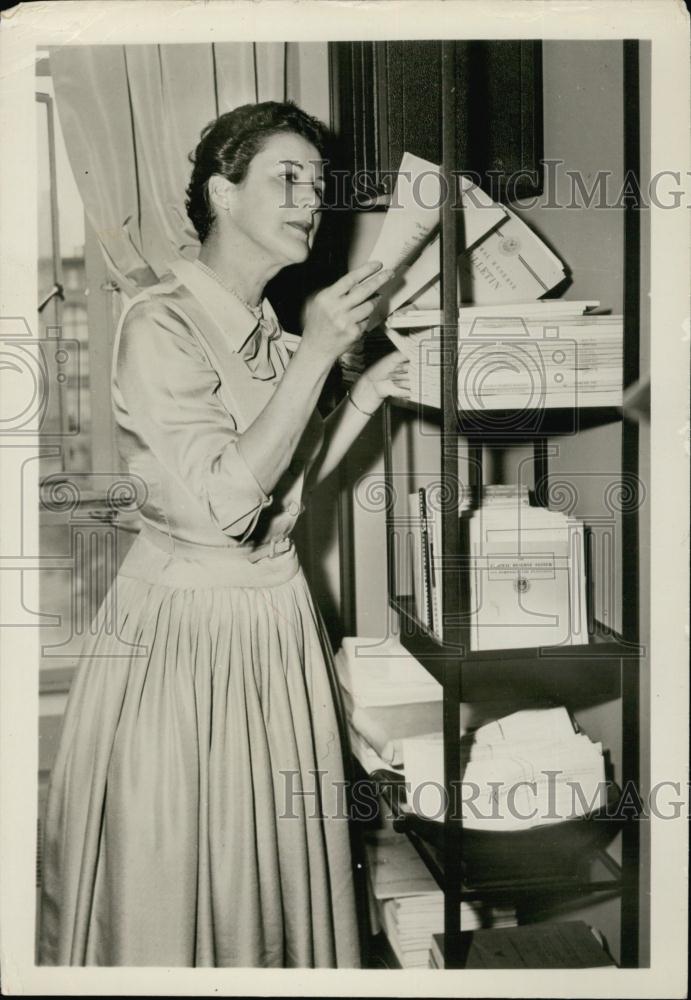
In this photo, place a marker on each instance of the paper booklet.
(501, 259)
(412, 221)
(511, 264)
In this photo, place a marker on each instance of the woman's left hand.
(389, 376)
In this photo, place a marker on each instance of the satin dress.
(196, 811)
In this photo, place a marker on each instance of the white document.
(382, 672)
(396, 869)
(413, 214)
(480, 216)
(511, 264)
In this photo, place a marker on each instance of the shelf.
(579, 842)
(580, 675)
(518, 425)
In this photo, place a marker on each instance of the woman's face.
(277, 206)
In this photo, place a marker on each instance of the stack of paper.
(410, 906)
(524, 361)
(529, 769)
(380, 672)
(387, 695)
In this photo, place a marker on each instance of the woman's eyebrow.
(301, 165)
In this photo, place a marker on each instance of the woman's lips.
(302, 227)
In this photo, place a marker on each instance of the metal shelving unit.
(604, 668)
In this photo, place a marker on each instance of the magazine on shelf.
(511, 263)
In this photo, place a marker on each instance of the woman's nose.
(308, 197)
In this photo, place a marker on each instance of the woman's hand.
(337, 316)
(390, 376)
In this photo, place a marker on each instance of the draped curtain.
(131, 115)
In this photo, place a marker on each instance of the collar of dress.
(227, 312)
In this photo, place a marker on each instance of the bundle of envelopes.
(410, 906)
(528, 769)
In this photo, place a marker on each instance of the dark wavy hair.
(228, 145)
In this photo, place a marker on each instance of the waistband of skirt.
(171, 562)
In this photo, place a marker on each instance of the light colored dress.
(196, 809)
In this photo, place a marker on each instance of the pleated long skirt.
(196, 813)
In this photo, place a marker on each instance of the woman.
(195, 814)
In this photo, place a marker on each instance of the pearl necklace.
(255, 310)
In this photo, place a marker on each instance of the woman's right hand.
(337, 316)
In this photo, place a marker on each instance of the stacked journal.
(408, 903)
(527, 577)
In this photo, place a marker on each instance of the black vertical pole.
(630, 536)
(453, 957)
(540, 471)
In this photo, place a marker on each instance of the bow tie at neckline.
(256, 351)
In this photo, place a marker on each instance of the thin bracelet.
(365, 413)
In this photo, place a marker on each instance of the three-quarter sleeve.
(169, 390)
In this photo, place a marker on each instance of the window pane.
(61, 263)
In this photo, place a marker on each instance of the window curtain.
(131, 115)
